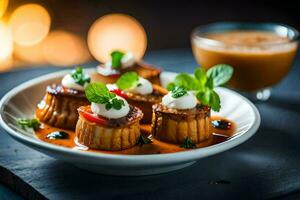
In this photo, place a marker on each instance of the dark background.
(167, 23)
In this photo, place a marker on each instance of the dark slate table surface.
(266, 166)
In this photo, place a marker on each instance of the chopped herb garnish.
(98, 93)
(116, 57)
(178, 91)
(188, 144)
(80, 77)
(29, 123)
(128, 80)
(144, 140)
(139, 84)
(203, 83)
(58, 135)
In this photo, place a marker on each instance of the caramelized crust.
(144, 70)
(174, 126)
(145, 102)
(59, 106)
(105, 138)
(109, 137)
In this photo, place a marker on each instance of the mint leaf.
(178, 91)
(210, 83)
(220, 73)
(200, 75)
(29, 123)
(171, 86)
(80, 77)
(209, 98)
(116, 57)
(204, 83)
(204, 97)
(187, 81)
(128, 80)
(117, 103)
(98, 93)
(215, 101)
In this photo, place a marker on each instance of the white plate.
(21, 102)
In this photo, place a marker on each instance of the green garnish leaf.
(98, 93)
(128, 80)
(200, 75)
(171, 86)
(220, 73)
(178, 91)
(210, 98)
(204, 83)
(144, 140)
(116, 57)
(80, 77)
(188, 144)
(29, 123)
(117, 103)
(204, 96)
(185, 80)
(215, 101)
(210, 83)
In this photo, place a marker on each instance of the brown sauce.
(156, 147)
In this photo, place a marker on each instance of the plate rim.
(168, 158)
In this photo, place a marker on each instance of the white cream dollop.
(143, 87)
(112, 113)
(107, 69)
(128, 60)
(69, 82)
(187, 101)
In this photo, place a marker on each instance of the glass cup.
(260, 53)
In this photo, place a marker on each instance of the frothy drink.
(260, 59)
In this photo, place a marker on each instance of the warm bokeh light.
(30, 24)
(6, 42)
(30, 54)
(3, 6)
(116, 32)
(64, 48)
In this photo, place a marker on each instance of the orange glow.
(3, 6)
(116, 32)
(30, 24)
(32, 54)
(6, 42)
(64, 48)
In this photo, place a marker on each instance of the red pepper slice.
(119, 93)
(88, 115)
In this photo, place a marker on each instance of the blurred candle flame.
(30, 24)
(116, 32)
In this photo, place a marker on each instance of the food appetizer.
(121, 63)
(106, 117)
(141, 93)
(183, 116)
(59, 106)
(109, 123)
